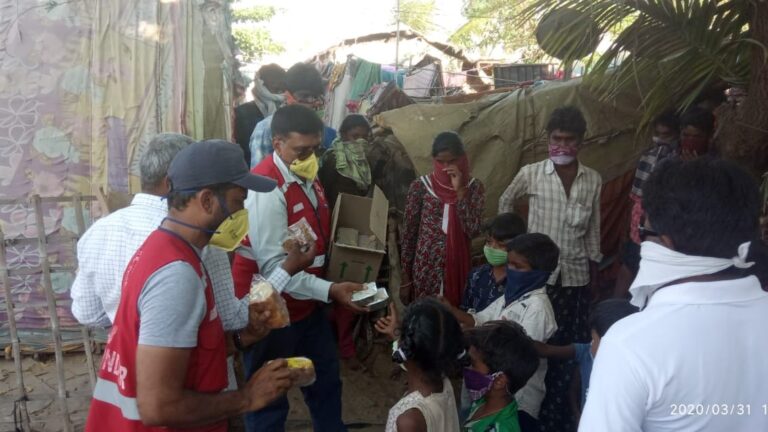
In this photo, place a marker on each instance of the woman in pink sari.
(443, 214)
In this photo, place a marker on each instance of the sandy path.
(367, 397)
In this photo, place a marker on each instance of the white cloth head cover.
(266, 101)
(660, 265)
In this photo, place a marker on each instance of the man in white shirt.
(694, 358)
(564, 203)
(105, 249)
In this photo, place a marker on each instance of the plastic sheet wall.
(503, 132)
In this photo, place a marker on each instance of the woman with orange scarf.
(442, 214)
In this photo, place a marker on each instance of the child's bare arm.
(465, 319)
(390, 324)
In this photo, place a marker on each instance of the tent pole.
(50, 296)
(397, 42)
(77, 203)
(15, 341)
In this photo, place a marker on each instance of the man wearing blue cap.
(165, 361)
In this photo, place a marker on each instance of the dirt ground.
(367, 396)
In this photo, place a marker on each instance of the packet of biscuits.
(302, 371)
(300, 232)
(263, 292)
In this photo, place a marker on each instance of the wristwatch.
(236, 339)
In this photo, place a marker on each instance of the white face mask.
(660, 266)
(562, 159)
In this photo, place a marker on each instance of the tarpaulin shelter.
(503, 132)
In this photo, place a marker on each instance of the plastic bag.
(263, 292)
(300, 232)
(302, 371)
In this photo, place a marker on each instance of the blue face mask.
(520, 283)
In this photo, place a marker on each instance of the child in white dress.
(430, 345)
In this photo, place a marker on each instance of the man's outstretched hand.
(341, 294)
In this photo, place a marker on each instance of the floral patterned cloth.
(81, 95)
(423, 244)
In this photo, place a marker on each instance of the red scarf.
(457, 257)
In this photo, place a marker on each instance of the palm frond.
(670, 50)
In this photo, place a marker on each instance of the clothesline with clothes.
(350, 83)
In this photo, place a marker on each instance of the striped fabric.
(647, 163)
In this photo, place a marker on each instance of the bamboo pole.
(77, 202)
(15, 342)
(51, 299)
(46, 200)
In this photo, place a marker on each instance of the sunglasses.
(645, 233)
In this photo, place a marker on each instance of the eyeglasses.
(645, 232)
(301, 152)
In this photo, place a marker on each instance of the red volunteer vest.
(298, 206)
(114, 401)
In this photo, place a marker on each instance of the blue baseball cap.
(212, 162)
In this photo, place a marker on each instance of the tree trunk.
(752, 135)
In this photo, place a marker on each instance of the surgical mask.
(231, 232)
(495, 257)
(562, 155)
(478, 384)
(306, 168)
(520, 283)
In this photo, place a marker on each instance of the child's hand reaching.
(389, 324)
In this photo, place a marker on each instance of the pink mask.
(562, 155)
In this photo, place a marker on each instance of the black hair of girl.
(353, 121)
(432, 338)
(448, 141)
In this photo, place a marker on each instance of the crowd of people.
(170, 277)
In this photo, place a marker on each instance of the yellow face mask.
(231, 232)
(306, 168)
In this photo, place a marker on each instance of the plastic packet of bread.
(302, 371)
(300, 232)
(263, 292)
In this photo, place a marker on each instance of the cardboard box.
(369, 217)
